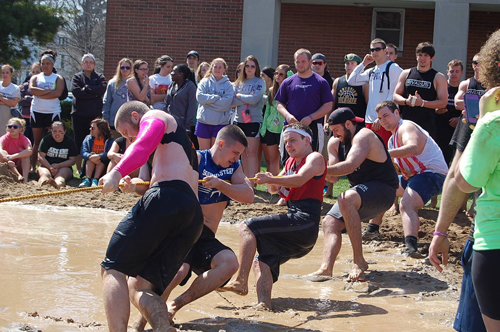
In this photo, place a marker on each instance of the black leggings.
(485, 272)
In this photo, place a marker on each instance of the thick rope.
(71, 191)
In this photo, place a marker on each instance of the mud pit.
(50, 273)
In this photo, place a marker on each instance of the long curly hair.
(489, 61)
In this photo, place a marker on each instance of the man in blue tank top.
(221, 179)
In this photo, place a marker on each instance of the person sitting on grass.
(15, 149)
(116, 152)
(56, 155)
(94, 152)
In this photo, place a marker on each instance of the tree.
(25, 23)
(84, 32)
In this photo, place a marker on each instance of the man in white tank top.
(422, 166)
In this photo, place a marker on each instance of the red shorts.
(381, 132)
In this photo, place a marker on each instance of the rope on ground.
(75, 190)
(60, 192)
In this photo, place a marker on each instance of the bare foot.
(318, 276)
(261, 306)
(357, 272)
(20, 178)
(235, 287)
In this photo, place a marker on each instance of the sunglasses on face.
(143, 69)
(318, 63)
(376, 49)
(125, 67)
(13, 126)
(475, 63)
(279, 74)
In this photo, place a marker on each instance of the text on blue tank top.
(209, 168)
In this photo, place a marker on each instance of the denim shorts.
(427, 184)
(207, 131)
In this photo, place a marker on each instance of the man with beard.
(360, 154)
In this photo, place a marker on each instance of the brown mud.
(400, 293)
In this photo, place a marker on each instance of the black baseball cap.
(341, 115)
(193, 53)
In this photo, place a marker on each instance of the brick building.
(272, 29)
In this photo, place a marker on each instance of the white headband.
(299, 131)
(48, 56)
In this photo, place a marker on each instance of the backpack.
(386, 73)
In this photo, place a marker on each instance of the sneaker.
(367, 235)
(85, 183)
(413, 253)
(95, 182)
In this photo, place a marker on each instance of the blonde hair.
(212, 64)
(198, 71)
(118, 78)
(18, 121)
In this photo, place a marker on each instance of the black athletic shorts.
(461, 135)
(43, 120)
(201, 255)
(155, 237)
(251, 129)
(376, 198)
(485, 271)
(270, 138)
(284, 236)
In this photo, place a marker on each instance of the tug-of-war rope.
(71, 191)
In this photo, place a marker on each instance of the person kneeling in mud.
(212, 261)
(360, 154)
(279, 238)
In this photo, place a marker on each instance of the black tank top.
(452, 111)
(180, 137)
(370, 170)
(350, 96)
(424, 84)
(475, 87)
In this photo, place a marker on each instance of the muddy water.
(49, 270)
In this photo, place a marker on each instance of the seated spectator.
(94, 152)
(15, 149)
(115, 154)
(57, 155)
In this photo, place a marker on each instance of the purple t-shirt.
(304, 96)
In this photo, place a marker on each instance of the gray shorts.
(376, 198)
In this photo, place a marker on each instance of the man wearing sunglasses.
(382, 81)
(319, 67)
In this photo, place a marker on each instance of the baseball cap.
(352, 57)
(318, 56)
(193, 53)
(341, 115)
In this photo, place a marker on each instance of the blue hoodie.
(214, 99)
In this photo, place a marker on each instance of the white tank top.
(46, 106)
(430, 160)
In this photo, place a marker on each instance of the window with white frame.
(388, 24)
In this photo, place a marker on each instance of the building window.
(63, 41)
(63, 61)
(388, 24)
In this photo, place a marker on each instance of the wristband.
(423, 103)
(312, 119)
(440, 234)
(406, 102)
